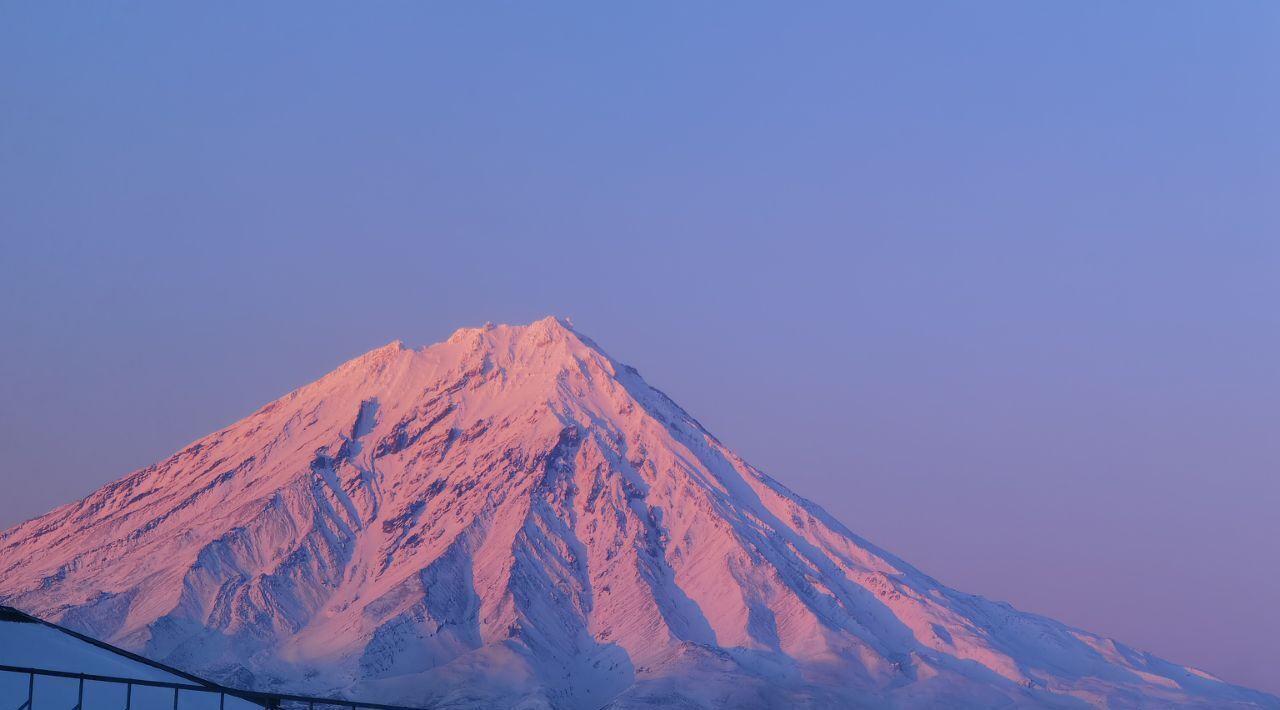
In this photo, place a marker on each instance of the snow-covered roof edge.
(10, 614)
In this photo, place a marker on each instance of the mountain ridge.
(513, 518)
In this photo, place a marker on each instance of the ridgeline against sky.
(515, 519)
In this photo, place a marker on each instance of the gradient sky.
(996, 283)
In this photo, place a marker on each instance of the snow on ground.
(33, 645)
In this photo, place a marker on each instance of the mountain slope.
(514, 519)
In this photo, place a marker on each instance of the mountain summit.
(512, 518)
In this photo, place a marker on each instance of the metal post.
(222, 701)
(175, 698)
(80, 693)
(128, 696)
(31, 691)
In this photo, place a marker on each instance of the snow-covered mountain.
(512, 518)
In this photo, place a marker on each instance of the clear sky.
(997, 283)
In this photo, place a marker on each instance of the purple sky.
(998, 284)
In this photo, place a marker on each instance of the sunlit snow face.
(513, 516)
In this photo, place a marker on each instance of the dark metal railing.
(266, 700)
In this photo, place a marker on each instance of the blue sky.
(996, 283)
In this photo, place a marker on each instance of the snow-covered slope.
(514, 519)
(27, 643)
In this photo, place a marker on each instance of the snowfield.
(513, 519)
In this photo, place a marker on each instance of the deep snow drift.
(514, 519)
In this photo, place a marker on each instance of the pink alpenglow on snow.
(512, 518)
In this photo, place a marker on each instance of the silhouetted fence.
(62, 690)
